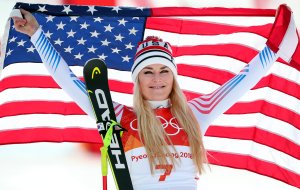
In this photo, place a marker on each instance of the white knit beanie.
(152, 51)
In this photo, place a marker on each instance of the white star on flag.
(98, 19)
(102, 56)
(48, 34)
(105, 42)
(92, 49)
(108, 28)
(126, 58)
(119, 37)
(81, 41)
(78, 56)
(21, 43)
(67, 9)
(50, 18)
(9, 52)
(58, 42)
(115, 50)
(42, 8)
(60, 26)
(31, 49)
(91, 9)
(84, 25)
(71, 33)
(74, 18)
(13, 39)
(122, 22)
(95, 34)
(117, 9)
(129, 46)
(140, 8)
(133, 31)
(68, 49)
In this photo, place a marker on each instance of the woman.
(163, 142)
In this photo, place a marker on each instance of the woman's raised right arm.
(54, 63)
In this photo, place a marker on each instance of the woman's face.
(156, 82)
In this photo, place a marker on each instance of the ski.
(95, 76)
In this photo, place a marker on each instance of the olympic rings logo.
(165, 124)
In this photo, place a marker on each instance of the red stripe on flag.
(90, 2)
(40, 107)
(257, 135)
(202, 27)
(236, 51)
(295, 62)
(229, 50)
(281, 23)
(268, 109)
(262, 106)
(220, 77)
(280, 84)
(217, 11)
(63, 108)
(45, 134)
(118, 86)
(255, 165)
(197, 72)
(246, 133)
(27, 81)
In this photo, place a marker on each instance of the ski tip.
(95, 61)
(94, 69)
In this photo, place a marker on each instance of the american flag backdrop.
(259, 133)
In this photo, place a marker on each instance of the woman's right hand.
(26, 25)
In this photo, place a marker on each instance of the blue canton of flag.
(81, 34)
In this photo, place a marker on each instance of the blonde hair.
(156, 140)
